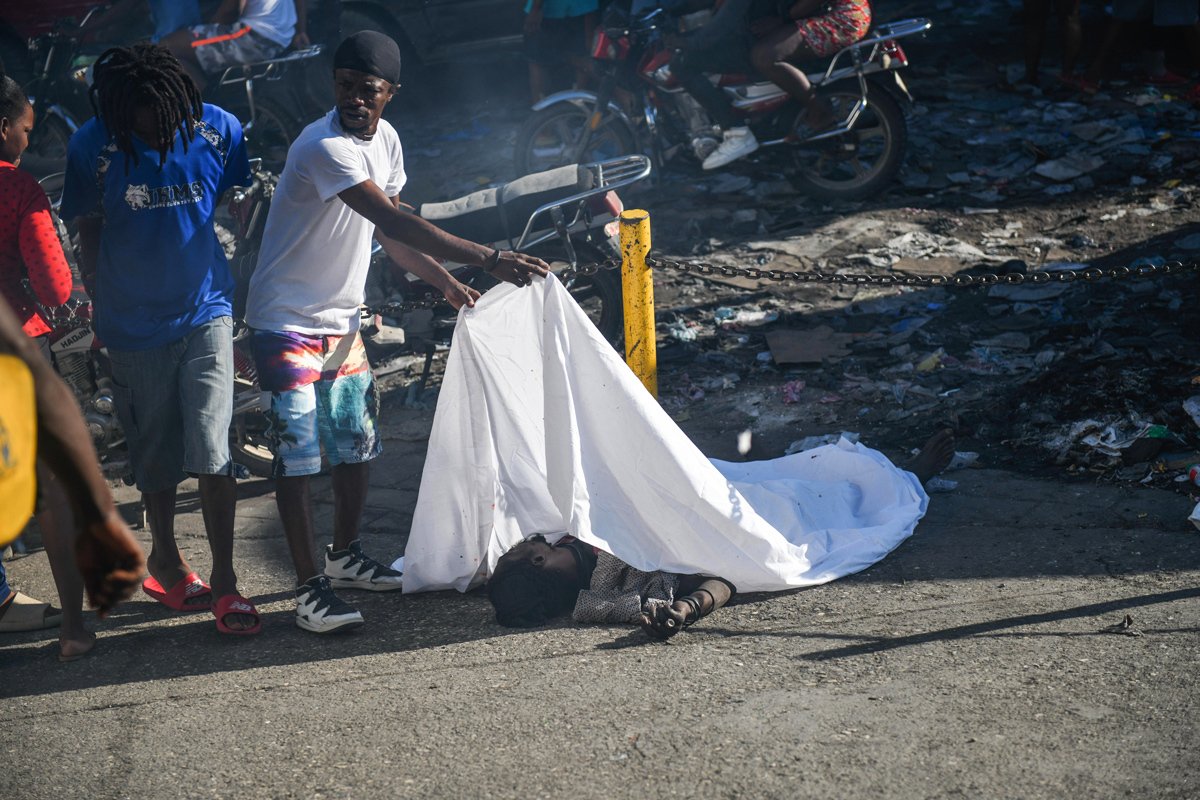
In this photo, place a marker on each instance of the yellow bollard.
(637, 288)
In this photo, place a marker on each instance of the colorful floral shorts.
(845, 23)
(321, 396)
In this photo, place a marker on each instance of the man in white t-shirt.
(339, 188)
(241, 32)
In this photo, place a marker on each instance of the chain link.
(1087, 275)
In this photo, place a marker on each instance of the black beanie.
(370, 52)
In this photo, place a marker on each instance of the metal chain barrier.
(1088, 275)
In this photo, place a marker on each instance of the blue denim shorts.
(175, 403)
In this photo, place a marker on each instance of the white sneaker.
(319, 610)
(736, 143)
(353, 569)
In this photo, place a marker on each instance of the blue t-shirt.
(161, 271)
(171, 15)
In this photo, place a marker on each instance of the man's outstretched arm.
(369, 200)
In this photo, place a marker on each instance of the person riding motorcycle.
(770, 35)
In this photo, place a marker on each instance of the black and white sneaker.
(319, 610)
(352, 569)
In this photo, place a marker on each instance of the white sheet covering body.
(541, 427)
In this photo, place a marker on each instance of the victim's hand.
(664, 621)
(518, 268)
(459, 295)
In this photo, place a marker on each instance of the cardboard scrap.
(809, 346)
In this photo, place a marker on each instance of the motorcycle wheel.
(274, 130)
(860, 162)
(599, 295)
(546, 137)
(248, 444)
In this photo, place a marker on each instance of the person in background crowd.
(1154, 18)
(240, 32)
(143, 179)
(341, 186)
(30, 255)
(168, 16)
(557, 33)
(1037, 13)
(809, 29)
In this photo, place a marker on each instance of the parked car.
(433, 32)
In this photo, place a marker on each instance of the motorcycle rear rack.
(612, 174)
(270, 70)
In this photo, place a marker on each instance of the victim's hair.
(145, 75)
(524, 595)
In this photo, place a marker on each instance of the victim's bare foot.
(934, 457)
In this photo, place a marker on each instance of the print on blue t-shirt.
(161, 271)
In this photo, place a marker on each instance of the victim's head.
(533, 583)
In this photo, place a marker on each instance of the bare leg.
(57, 524)
(1111, 33)
(295, 512)
(771, 55)
(537, 82)
(1036, 13)
(218, 503)
(1072, 36)
(350, 485)
(165, 562)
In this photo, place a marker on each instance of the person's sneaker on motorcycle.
(735, 143)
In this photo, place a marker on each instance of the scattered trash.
(1192, 407)
(962, 460)
(791, 392)
(750, 316)
(682, 331)
(939, 484)
(1069, 167)
(808, 347)
(744, 440)
(809, 442)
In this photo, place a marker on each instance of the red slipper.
(191, 586)
(235, 604)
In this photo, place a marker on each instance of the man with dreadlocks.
(144, 178)
(340, 187)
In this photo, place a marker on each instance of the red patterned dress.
(842, 24)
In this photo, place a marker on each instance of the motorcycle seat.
(492, 215)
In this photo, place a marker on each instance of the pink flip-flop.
(191, 586)
(235, 604)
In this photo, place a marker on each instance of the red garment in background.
(29, 248)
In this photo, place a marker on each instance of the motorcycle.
(641, 107)
(59, 89)
(567, 216)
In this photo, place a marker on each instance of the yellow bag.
(18, 447)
